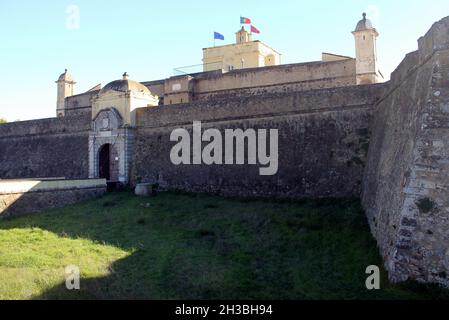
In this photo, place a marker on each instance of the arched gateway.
(112, 133)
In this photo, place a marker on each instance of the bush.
(425, 205)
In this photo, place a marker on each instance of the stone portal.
(109, 147)
(113, 125)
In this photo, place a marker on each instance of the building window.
(269, 60)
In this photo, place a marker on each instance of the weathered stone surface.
(80, 104)
(27, 196)
(323, 141)
(45, 148)
(408, 162)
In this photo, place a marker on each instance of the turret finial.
(364, 16)
(125, 76)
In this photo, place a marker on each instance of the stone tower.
(366, 52)
(65, 89)
(242, 36)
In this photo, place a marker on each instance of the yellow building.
(245, 53)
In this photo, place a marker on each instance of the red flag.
(254, 30)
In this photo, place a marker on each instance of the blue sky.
(148, 38)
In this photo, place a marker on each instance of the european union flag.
(218, 36)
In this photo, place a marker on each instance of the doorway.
(105, 162)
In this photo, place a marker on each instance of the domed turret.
(364, 24)
(125, 85)
(125, 96)
(66, 76)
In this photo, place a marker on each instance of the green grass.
(194, 246)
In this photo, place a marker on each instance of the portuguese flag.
(244, 20)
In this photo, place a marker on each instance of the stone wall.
(282, 88)
(278, 79)
(217, 84)
(79, 104)
(323, 141)
(406, 184)
(20, 197)
(45, 148)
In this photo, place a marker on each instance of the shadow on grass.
(184, 246)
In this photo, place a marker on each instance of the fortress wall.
(323, 141)
(45, 148)
(79, 104)
(281, 88)
(260, 106)
(406, 184)
(281, 78)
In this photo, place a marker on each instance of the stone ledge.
(28, 196)
(23, 186)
